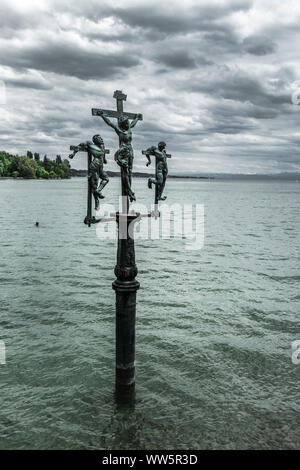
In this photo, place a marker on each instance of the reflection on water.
(125, 399)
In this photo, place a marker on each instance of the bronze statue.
(123, 156)
(161, 169)
(97, 177)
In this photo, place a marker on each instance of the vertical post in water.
(156, 211)
(89, 197)
(125, 287)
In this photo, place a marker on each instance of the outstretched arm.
(72, 155)
(85, 145)
(108, 121)
(153, 151)
(138, 118)
(80, 148)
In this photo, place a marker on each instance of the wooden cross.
(120, 97)
(144, 152)
(84, 148)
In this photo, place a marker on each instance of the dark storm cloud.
(66, 59)
(170, 20)
(123, 37)
(27, 82)
(259, 45)
(237, 85)
(218, 42)
(180, 59)
(227, 109)
(232, 126)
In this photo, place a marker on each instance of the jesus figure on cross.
(124, 156)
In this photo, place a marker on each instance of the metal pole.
(89, 198)
(125, 286)
(156, 212)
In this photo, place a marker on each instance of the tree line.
(32, 166)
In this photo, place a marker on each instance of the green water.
(214, 327)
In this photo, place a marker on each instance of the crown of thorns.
(124, 118)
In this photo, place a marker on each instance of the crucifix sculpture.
(124, 156)
(125, 285)
(97, 178)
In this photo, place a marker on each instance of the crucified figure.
(98, 178)
(161, 168)
(123, 156)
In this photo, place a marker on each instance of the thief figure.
(161, 168)
(98, 178)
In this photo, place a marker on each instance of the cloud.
(177, 59)
(259, 45)
(212, 78)
(182, 18)
(27, 79)
(233, 83)
(68, 59)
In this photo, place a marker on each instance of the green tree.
(3, 164)
(47, 164)
(13, 164)
(42, 173)
(27, 167)
(66, 169)
(33, 167)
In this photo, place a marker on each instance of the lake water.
(214, 327)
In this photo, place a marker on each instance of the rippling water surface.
(214, 327)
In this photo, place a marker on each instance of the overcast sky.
(212, 78)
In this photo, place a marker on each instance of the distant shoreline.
(112, 174)
(215, 176)
(32, 179)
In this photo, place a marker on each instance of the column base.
(126, 286)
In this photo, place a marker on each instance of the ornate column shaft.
(125, 286)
